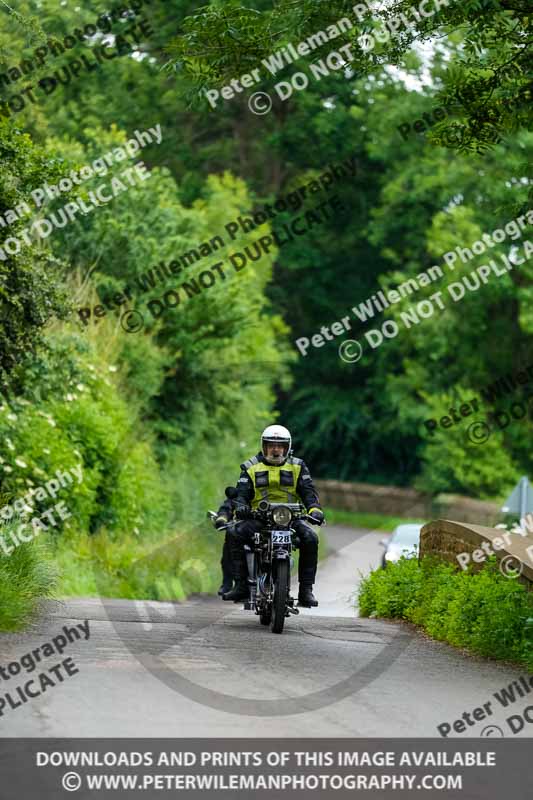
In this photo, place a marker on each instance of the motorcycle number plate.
(281, 537)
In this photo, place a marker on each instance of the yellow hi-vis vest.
(275, 484)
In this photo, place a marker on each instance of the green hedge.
(482, 611)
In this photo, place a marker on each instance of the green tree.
(30, 292)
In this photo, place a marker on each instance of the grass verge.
(374, 522)
(482, 611)
(136, 568)
(27, 576)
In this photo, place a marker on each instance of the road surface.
(208, 668)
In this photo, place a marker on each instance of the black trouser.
(226, 561)
(307, 564)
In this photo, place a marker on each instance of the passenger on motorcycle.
(274, 475)
(225, 514)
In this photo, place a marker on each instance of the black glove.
(242, 510)
(317, 515)
(220, 522)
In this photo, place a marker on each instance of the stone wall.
(364, 497)
(447, 539)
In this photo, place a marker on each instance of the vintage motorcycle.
(269, 559)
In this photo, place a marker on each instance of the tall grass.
(170, 568)
(27, 576)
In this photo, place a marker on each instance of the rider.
(275, 475)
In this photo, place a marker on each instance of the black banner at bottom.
(488, 769)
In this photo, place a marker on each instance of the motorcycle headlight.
(282, 515)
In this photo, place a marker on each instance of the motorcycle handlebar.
(247, 513)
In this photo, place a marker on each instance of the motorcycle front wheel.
(279, 602)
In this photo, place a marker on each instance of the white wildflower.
(20, 463)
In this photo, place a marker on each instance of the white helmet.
(276, 434)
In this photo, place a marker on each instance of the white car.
(404, 541)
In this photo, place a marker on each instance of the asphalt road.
(208, 668)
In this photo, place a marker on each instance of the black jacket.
(305, 488)
(226, 509)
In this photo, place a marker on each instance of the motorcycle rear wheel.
(279, 602)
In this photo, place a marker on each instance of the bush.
(482, 611)
(77, 417)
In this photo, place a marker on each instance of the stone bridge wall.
(447, 540)
(396, 502)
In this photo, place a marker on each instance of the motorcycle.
(269, 559)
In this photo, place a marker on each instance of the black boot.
(239, 592)
(306, 597)
(225, 586)
(240, 574)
